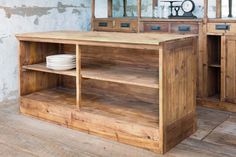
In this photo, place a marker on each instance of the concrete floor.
(22, 136)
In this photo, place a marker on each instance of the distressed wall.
(18, 16)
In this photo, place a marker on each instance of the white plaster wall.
(18, 16)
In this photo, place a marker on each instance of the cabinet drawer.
(126, 25)
(217, 27)
(232, 28)
(156, 27)
(103, 25)
(183, 28)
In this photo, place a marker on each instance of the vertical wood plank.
(139, 2)
(203, 90)
(109, 2)
(161, 101)
(205, 9)
(20, 62)
(223, 62)
(93, 14)
(139, 8)
(230, 69)
(78, 75)
(154, 4)
(218, 8)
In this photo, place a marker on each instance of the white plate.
(62, 56)
(53, 65)
(61, 63)
(61, 68)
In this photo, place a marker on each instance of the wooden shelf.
(42, 68)
(139, 113)
(55, 96)
(117, 75)
(214, 65)
(97, 115)
(122, 75)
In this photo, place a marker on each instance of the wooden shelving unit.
(137, 92)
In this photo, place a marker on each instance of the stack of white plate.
(61, 62)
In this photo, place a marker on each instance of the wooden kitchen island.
(138, 89)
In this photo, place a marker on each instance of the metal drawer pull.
(125, 25)
(222, 27)
(156, 28)
(102, 24)
(184, 28)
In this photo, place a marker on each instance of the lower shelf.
(215, 103)
(133, 123)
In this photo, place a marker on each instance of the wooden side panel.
(231, 69)
(178, 91)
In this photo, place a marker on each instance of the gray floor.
(22, 136)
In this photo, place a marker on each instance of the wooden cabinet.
(221, 71)
(138, 89)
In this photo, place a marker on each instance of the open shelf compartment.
(214, 66)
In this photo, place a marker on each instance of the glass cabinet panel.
(147, 8)
(162, 9)
(101, 9)
(211, 9)
(227, 9)
(124, 8)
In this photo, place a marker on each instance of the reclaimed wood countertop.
(138, 40)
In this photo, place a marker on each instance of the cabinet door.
(230, 80)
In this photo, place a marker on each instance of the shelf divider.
(78, 76)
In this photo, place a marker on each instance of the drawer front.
(103, 25)
(156, 27)
(217, 27)
(231, 29)
(184, 28)
(126, 25)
